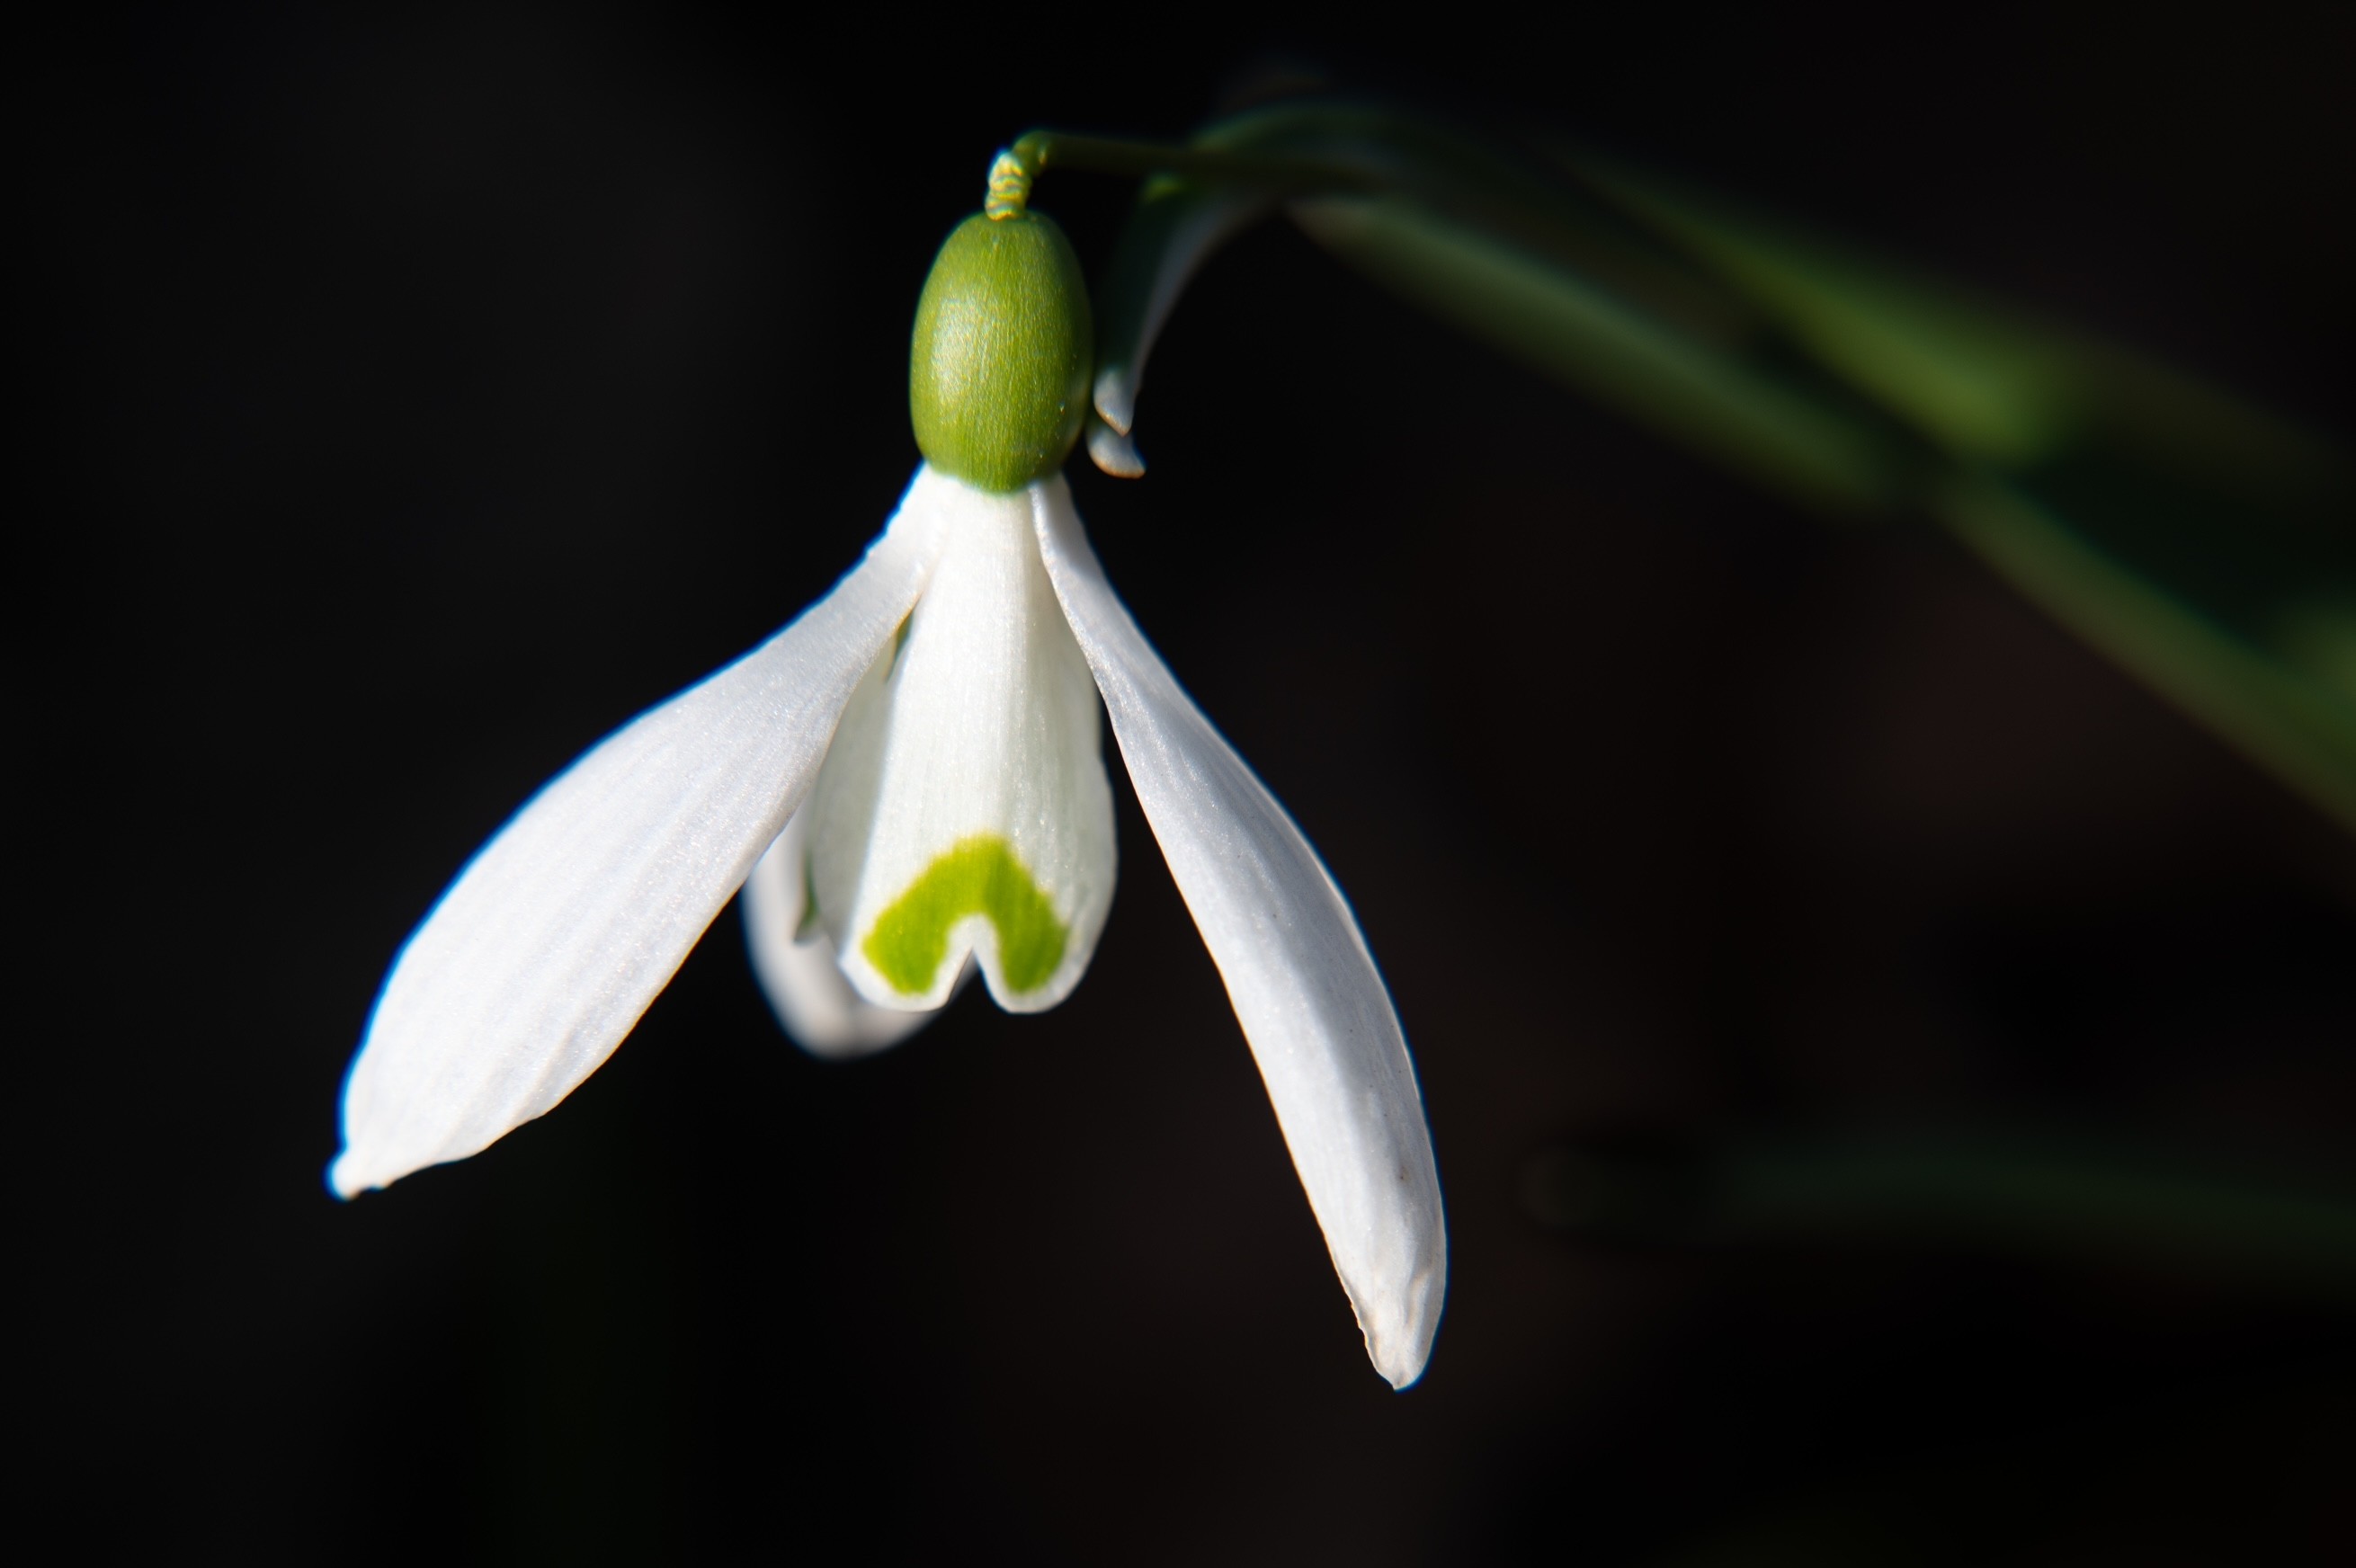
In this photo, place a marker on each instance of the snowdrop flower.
(908, 782)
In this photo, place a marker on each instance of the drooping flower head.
(908, 784)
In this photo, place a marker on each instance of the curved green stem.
(1040, 150)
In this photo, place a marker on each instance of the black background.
(438, 392)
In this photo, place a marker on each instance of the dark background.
(437, 393)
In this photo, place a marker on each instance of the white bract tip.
(1114, 452)
(1116, 397)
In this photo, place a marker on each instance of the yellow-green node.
(998, 375)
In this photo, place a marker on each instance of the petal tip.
(1401, 1349)
(344, 1179)
(1399, 1315)
(1401, 1371)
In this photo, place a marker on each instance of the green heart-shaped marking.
(977, 875)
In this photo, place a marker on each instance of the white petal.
(1303, 984)
(544, 952)
(797, 969)
(965, 809)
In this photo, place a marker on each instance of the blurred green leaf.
(1549, 316)
(2202, 545)
(2273, 679)
(1990, 381)
(2076, 1196)
(2072, 1197)
(1983, 383)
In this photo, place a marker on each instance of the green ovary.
(978, 875)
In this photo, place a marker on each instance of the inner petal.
(965, 808)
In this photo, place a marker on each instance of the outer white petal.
(1303, 984)
(797, 969)
(964, 809)
(550, 945)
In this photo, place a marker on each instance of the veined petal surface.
(965, 809)
(795, 961)
(1304, 986)
(549, 946)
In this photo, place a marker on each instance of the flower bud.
(998, 375)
